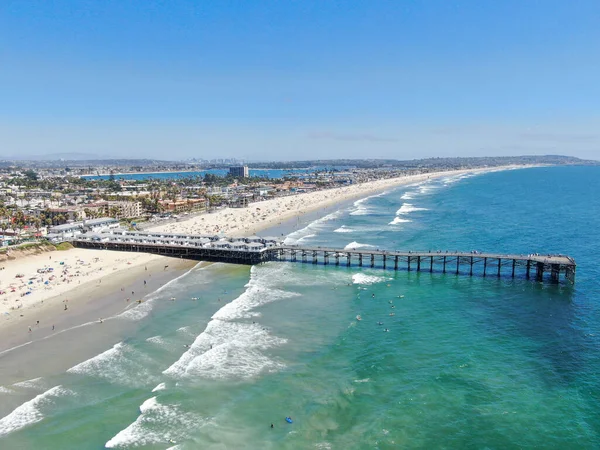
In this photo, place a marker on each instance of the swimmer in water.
(386, 330)
(391, 314)
(379, 323)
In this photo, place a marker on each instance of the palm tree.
(114, 211)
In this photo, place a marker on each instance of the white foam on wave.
(120, 364)
(311, 229)
(156, 424)
(31, 411)
(361, 208)
(137, 312)
(160, 387)
(456, 178)
(364, 380)
(427, 188)
(230, 348)
(34, 383)
(175, 280)
(362, 278)
(254, 296)
(343, 229)
(407, 208)
(227, 350)
(353, 245)
(408, 196)
(157, 340)
(308, 236)
(398, 220)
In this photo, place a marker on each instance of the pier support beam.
(499, 266)
(418, 263)
(444, 271)
(408, 264)
(360, 260)
(396, 263)
(514, 263)
(314, 257)
(539, 271)
(528, 268)
(555, 272)
(484, 266)
(457, 264)
(431, 264)
(471, 269)
(372, 260)
(349, 260)
(384, 261)
(337, 259)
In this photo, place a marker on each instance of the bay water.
(437, 360)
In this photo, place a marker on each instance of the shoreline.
(73, 268)
(87, 295)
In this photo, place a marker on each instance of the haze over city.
(275, 80)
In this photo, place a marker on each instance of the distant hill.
(428, 162)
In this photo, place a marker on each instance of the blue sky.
(299, 79)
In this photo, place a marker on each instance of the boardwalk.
(256, 250)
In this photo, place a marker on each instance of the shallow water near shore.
(467, 362)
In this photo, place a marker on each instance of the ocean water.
(466, 362)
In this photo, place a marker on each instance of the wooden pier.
(535, 267)
(256, 250)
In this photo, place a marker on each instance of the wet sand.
(78, 333)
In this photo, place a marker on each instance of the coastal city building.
(239, 171)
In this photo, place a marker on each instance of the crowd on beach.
(35, 281)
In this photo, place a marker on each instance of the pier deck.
(533, 265)
(254, 251)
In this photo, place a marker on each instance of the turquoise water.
(466, 363)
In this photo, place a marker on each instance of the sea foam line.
(230, 348)
(173, 422)
(408, 208)
(354, 245)
(31, 411)
(311, 228)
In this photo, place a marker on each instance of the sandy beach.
(269, 213)
(32, 285)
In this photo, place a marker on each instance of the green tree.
(31, 175)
